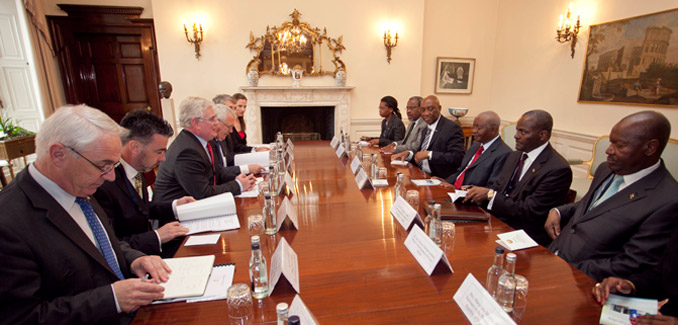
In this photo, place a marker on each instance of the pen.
(146, 277)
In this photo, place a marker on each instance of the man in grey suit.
(190, 167)
(61, 261)
(483, 162)
(623, 223)
(414, 131)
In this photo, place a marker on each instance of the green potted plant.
(15, 141)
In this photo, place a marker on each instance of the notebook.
(460, 212)
(215, 213)
(189, 276)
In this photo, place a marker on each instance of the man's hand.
(421, 155)
(552, 225)
(400, 156)
(260, 149)
(602, 290)
(153, 265)
(657, 319)
(390, 148)
(133, 293)
(255, 169)
(477, 195)
(374, 142)
(443, 183)
(184, 200)
(247, 181)
(170, 231)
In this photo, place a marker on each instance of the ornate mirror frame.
(295, 44)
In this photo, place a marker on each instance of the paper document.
(399, 163)
(516, 240)
(219, 281)
(620, 309)
(425, 182)
(254, 192)
(189, 276)
(215, 213)
(380, 182)
(457, 195)
(202, 240)
(259, 158)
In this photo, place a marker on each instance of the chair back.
(508, 132)
(599, 156)
(670, 156)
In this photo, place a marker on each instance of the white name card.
(284, 262)
(355, 163)
(334, 142)
(516, 240)
(404, 213)
(287, 210)
(425, 251)
(362, 180)
(299, 308)
(290, 183)
(341, 151)
(290, 144)
(477, 304)
(290, 153)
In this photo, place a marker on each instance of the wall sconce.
(390, 43)
(568, 31)
(197, 38)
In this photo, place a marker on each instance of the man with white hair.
(62, 263)
(190, 167)
(224, 153)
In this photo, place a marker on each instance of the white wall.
(532, 70)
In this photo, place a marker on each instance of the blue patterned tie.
(100, 235)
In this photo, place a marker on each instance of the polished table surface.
(355, 268)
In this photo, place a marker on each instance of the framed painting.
(633, 61)
(454, 75)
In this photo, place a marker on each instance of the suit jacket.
(485, 170)
(447, 146)
(219, 158)
(391, 131)
(660, 282)
(187, 170)
(130, 214)
(414, 140)
(234, 146)
(238, 139)
(544, 186)
(51, 271)
(623, 235)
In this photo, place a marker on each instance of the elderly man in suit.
(224, 153)
(483, 162)
(534, 179)
(414, 130)
(442, 145)
(622, 224)
(191, 168)
(61, 261)
(125, 199)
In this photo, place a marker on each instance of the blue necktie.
(99, 235)
(612, 189)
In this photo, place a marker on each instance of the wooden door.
(108, 58)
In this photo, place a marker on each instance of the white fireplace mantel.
(339, 97)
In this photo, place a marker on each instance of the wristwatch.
(490, 194)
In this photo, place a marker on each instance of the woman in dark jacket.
(392, 127)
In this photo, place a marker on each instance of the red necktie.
(209, 148)
(460, 179)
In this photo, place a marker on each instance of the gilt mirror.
(295, 44)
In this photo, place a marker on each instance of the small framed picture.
(454, 75)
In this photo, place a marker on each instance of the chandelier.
(291, 40)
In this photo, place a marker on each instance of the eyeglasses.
(226, 125)
(104, 170)
(212, 119)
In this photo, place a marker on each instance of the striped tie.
(100, 235)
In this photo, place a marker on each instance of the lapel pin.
(533, 170)
(632, 195)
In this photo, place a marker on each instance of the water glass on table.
(255, 224)
(520, 298)
(449, 232)
(383, 173)
(412, 197)
(240, 306)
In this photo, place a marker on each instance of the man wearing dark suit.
(483, 162)
(414, 131)
(442, 146)
(61, 262)
(190, 168)
(534, 179)
(125, 199)
(224, 153)
(622, 224)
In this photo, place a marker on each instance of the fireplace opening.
(299, 123)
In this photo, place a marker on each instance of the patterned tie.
(427, 139)
(209, 148)
(139, 184)
(612, 189)
(516, 175)
(409, 131)
(100, 235)
(460, 179)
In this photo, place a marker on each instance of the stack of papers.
(260, 158)
(426, 182)
(516, 240)
(399, 163)
(620, 309)
(215, 213)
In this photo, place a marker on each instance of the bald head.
(637, 142)
(486, 126)
(648, 125)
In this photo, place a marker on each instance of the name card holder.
(341, 151)
(364, 182)
(287, 210)
(477, 304)
(425, 251)
(289, 182)
(290, 145)
(355, 164)
(297, 307)
(405, 213)
(284, 263)
(334, 143)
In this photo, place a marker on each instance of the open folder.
(215, 213)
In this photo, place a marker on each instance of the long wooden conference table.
(354, 267)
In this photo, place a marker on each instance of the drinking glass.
(255, 224)
(383, 173)
(412, 197)
(240, 306)
(449, 230)
(520, 299)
